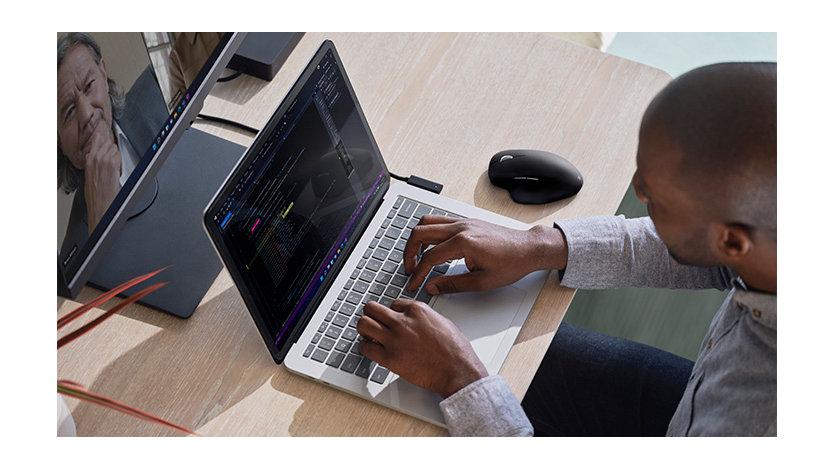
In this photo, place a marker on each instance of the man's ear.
(732, 242)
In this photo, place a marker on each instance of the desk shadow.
(196, 371)
(498, 200)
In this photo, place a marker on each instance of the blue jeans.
(590, 384)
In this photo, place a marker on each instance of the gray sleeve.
(485, 408)
(606, 252)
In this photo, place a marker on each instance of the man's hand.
(496, 256)
(102, 168)
(420, 345)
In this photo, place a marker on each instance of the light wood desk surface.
(440, 105)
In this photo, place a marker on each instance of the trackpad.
(485, 318)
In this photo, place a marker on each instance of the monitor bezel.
(96, 245)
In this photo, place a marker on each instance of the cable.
(398, 177)
(220, 120)
(230, 77)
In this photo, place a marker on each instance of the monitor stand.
(167, 229)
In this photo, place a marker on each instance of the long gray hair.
(69, 177)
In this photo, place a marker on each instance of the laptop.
(311, 226)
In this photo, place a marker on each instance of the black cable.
(243, 127)
(398, 177)
(230, 77)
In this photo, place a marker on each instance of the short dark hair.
(723, 119)
(69, 177)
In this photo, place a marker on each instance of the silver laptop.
(311, 227)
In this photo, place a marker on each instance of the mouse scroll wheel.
(505, 158)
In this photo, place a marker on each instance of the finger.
(372, 330)
(373, 351)
(439, 254)
(382, 314)
(466, 282)
(402, 305)
(431, 230)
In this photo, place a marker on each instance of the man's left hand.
(420, 345)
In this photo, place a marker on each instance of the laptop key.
(392, 291)
(379, 375)
(309, 350)
(390, 267)
(335, 359)
(386, 243)
(333, 332)
(377, 288)
(423, 296)
(351, 362)
(354, 297)
(340, 320)
(407, 208)
(361, 287)
(441, 268)
(367, 275)
(350, 334)
(387, 301)
(396, 256)
(327, 343)
(399, 280)
(347, 309)
(421, 211)
(319, 355)
(374, 264)
(364, 368)
(343, 345)
(380, 254)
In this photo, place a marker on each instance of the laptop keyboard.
(380, 277)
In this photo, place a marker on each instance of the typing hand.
(420, 345)
(496, 256)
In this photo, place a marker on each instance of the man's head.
(706, 164)
(86, 98)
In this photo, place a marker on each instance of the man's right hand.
(496, 256)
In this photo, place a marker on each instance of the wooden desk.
(440, 106)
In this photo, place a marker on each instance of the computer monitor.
(133, 177)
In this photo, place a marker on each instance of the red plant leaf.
(72, 389)
(63, 321)
(119, 307)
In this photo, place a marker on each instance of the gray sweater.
(732, 389)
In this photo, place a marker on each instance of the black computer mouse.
(534, 176)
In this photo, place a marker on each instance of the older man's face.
(83, 103)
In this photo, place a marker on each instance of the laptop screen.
(288, 213)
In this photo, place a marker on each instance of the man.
(706, 169)
(94, 155)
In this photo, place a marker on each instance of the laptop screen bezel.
(256, 308)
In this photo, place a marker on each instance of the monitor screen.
(123, 101)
